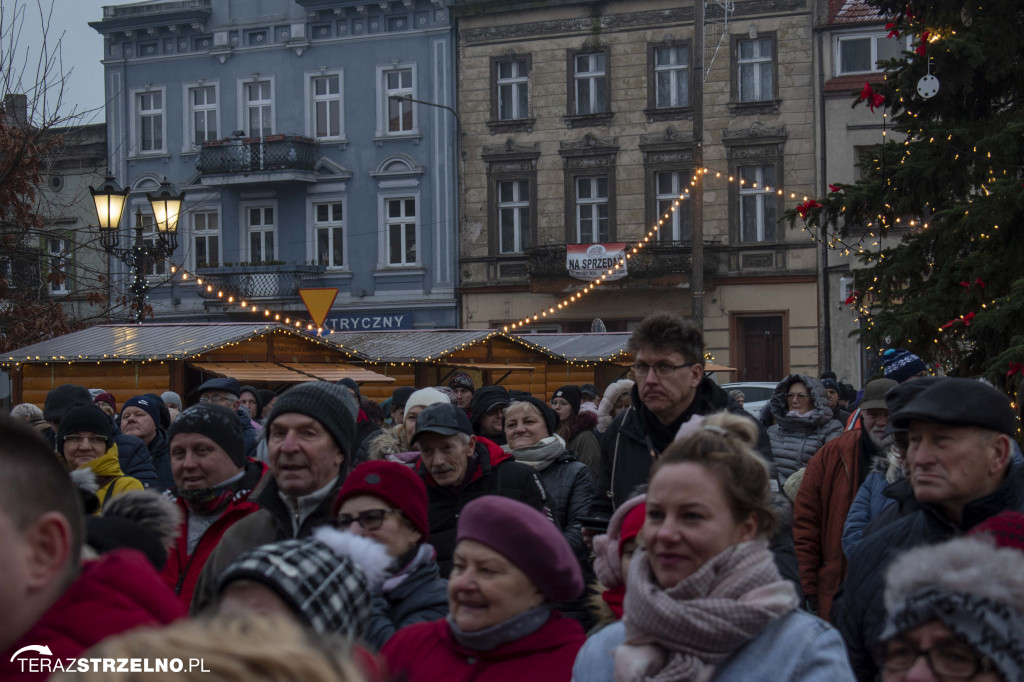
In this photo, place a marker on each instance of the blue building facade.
(290, 126)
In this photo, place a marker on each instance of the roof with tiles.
(856, 12)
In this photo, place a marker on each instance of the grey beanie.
(330, 404)
(217, 423)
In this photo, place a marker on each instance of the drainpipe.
(824, 300)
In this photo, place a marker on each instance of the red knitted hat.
(393, 483)
(1006, 528)
(632, 524)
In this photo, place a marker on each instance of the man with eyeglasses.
(225, 391)
(310, 437)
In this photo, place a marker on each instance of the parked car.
(756, 394)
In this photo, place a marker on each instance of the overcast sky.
(81, 46)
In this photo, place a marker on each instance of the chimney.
(15, 110)
(833, 9)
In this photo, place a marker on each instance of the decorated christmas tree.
(944, 195)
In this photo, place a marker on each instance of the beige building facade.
(578, 126)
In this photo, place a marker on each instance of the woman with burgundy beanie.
(613, 553)
(387, 502)
(511, 564)
(577, 428)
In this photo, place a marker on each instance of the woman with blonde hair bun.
(704, 598)
(254, 648)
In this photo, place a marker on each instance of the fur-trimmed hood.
(889, 465)
(390, 441)
(611, 396)
(820, 413)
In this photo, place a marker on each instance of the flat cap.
(959, 402)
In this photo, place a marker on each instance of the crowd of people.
(653, 530)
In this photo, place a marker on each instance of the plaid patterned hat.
(326, 579)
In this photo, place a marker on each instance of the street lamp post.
(110, 200)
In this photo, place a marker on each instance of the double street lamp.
(110, 200)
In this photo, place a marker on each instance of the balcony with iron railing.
(258, 282)
(654, 260)
(248, 160)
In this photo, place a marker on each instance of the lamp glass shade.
(166, 208)
(109, 200)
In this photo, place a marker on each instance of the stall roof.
(410, 346)
(158, 340)
(284, 372)
(591, 347)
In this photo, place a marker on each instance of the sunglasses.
(371, 519)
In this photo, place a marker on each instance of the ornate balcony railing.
(259, 281)
(258, 154)
(654, 260)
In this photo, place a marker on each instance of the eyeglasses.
(372, 519)
(85, 440)
(797, 396)
(662, 369)
(213, 398)
(947, 660)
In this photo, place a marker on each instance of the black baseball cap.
(444, 419)
(589, 389)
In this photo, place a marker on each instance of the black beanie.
(549, 415)
(85, 418)
(572, 394)
(401, 396)
(217, 423)
(353, 384)
(62, 398)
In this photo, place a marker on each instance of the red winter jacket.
(118, 592)
(181, 572)
(427, 653)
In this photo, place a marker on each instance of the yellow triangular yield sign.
(318, 303)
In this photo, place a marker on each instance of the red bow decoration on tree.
(803, 208)
(834, 188)
(923, 47)
(966, 319)
(852, 298)
(1016, 368)
(874, 100)
(894, 32)
(967, 285)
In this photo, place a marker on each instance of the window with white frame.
(262, 229)
(149, 118)
(206, 239)
(758, 204)
(513, 216)
(591, 83)
(202, 101)
(329, 230)
(671, 77)
(513, 82)
(59, 249)
(861, 53)
(591, 210)
(155, 267)
(259, 109)
(669, 188)
(325, 106)
(400, 112)
(755, 70)
(400, 220)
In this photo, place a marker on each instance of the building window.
(755, 67)
(669, 188)
(758, 203)
(155, 267)
(259, 109)
(206, 239)
(401, 117)
(513, 216)
(401, 230)
(59, 251)
(591, 210)
(512, 82)
(861, 53)
(590, 84)
(261, 228)
(325, 106)
(329, 228)
(150, 121)
(671, 77)
(203, 104)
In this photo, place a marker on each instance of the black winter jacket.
(860, 611)
(159, 451)
(493, 472)
(134, 458)
(571, 488)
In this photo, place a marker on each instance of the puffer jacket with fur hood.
(870, 500)
(795, 438)
(611, 396)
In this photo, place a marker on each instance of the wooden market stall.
(129, 359)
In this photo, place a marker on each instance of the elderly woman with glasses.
(387, 502)
(803, 422)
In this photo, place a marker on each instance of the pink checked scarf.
(682, 633)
